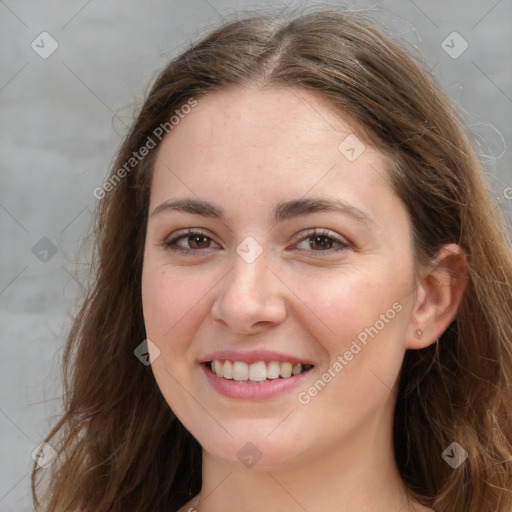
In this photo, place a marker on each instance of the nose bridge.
(249, 266)
(249, 294)
(247, 276)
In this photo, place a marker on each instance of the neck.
(361, 475)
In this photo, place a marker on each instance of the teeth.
(256, 372)
(227, 370)
(286, 370)
(217, 368)
(273, 370)
(240, 371)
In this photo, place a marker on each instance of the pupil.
(198, 240)
(322, 241)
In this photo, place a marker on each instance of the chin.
(253, 449)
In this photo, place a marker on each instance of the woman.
(297, 245)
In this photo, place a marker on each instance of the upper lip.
(252, 356)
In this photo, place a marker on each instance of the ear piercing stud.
(418, 333)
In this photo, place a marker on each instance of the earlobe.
(439, 296)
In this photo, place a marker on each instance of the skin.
(245, 150)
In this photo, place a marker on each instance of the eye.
(193, 241)
(189, 241)
(322, 241)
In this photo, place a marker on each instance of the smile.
(257, 372)
(259, 380)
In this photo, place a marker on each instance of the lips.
(254, 375)
(253, 390)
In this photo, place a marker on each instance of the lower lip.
(261, 391)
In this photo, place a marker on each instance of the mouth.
(258, 372)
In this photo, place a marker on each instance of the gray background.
(62, 118)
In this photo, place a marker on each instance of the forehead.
(265, 119)
(268, 145)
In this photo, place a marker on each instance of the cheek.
(360, 320)
(173, 305)
(340, 305)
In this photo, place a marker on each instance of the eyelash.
(170, 244)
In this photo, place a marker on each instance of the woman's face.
(299, 252)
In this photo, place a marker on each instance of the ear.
(438, 297)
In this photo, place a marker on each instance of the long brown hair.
(120, 446)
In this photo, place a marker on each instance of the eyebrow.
(283, 211)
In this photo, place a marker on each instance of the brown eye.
(198, 241)
(189, 241)
(320, 242)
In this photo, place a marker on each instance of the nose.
(250, 299)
